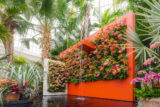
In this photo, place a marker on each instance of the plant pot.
(156, 84)
(11, 97)
(154, 102)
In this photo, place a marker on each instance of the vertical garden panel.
(109, 89)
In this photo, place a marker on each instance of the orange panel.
(111, 89)
(87, 46)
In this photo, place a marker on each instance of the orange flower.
(91, 66)
(115, 41)
(111, 40)
(99, 46)
(116, 33)
(105, 46)
(105, 52)
(124, 61)
(98, 56)
(120, 56)
(119, 36)
(111, 48)
(102, 68)
(107, 36)
(114, 72)
(113, 52)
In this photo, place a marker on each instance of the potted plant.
(149, 93)
(19, 83)
(11, 89)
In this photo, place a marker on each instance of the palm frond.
(142, 51)
(151, 14)
(26, 41)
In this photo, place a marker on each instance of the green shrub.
(19, 60)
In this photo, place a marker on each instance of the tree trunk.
(9, 48)
(8, 42)
(67, 37)
(86, 22)
(45, 42)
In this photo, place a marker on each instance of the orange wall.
(111, 89)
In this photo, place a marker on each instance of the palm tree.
(108, 17)
(69, 19)
(57, 16)
(11, 20)
(84, 6)
(44, 13)
(150, 31)
(71, 23)
(116, 3)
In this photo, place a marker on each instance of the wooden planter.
(11, 97)
(154, 102)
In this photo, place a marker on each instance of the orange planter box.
(87, 46)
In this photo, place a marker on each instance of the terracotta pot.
(11, 97)
(154, 102)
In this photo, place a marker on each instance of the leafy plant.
(20, 77)
(19, 60)
(75, 80)
(149, 18)
(11, 19)
(3, 32)
(142, 51)
(147, 93)
(109, 17)
(29, 93)
(26, 72)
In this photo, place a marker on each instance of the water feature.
(76, 101)
(80, 98)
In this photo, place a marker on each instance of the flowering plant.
(149, 77)
(57, 77)
(147, 90)
(107, 62)
(20, 80)
(12, 85)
